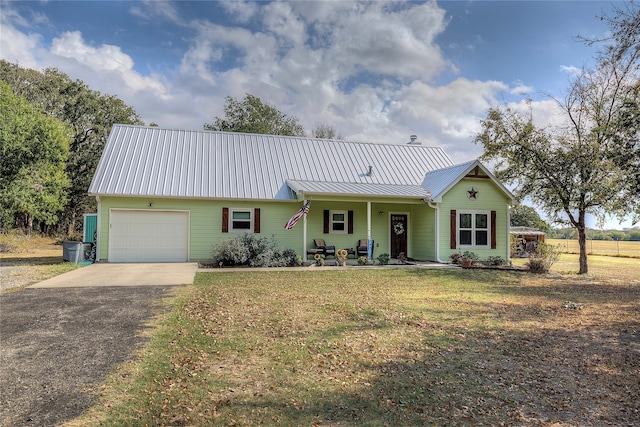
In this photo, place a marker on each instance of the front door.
(399, 233)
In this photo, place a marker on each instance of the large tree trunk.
(29, 224)
(582, 242)
(71, 228)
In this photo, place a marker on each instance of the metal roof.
(152, 161)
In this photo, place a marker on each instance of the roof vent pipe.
(414, 139)
(370, 171)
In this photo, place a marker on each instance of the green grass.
(383, 347)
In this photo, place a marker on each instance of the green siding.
(206, 223)
(422, 233)
(490, 198)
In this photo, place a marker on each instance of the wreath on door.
(398, 228)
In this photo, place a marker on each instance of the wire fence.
(599, 247)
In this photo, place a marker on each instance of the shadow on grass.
(503, 378)
(32, 260)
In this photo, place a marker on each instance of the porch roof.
(356, 189)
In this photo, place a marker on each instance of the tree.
(582, 167)
(617, 235)
(90, 116)
(325, 131)
(251, 115)
(526, 216)
(33, 151)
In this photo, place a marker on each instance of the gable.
(441, 181)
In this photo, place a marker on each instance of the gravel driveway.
(59, 344)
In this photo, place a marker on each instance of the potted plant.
(319, 259)
(341, 257)
(468, 258)
(363, 260)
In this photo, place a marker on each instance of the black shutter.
(326, 222)
(225, 220)
(453, 238)
(350, 225)
(494, 239)
(256, 220)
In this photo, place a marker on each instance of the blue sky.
(375, 71)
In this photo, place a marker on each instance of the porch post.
(369, 241)
(304, 234)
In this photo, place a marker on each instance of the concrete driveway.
(108, 274)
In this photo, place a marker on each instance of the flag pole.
(304, 234)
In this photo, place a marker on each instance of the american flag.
(294, 219)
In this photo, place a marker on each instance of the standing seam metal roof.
(152, 161)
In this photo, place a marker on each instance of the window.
(338, 222)
(241, 220)
(474, 228)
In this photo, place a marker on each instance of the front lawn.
(386, 347)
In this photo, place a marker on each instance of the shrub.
(247, 249)
(363, 260)
(275, 258)
(456, 258)
(542, 260)
(495, 261)
(383, 259)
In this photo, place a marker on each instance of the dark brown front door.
(399, 232)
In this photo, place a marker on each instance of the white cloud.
(241, 10)
(153, 9)
(105, 59)
(15, 45)
(570, 70)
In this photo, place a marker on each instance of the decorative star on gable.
(472, 193)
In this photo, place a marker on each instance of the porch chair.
(361, 249)
(323, 248)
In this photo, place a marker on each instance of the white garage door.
(148, 236)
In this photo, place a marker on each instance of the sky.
(375, 71)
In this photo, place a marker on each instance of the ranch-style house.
(170, 195)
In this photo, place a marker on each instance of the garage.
(148, 236)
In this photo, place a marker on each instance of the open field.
(600, 247)
(390, 347)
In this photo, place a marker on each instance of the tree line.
(632, 235)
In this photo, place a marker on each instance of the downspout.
(508, 234)
(435, 206)
(98, 234)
